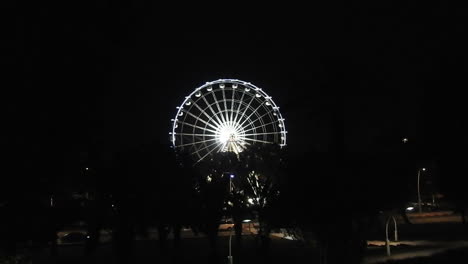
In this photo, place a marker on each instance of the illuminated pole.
(230, 261)
(419, 192)
(395, 231)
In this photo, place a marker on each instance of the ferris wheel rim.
(226, 121)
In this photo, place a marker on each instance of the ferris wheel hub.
(226, 115)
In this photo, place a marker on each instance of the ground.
(194, 250)
(431, 239)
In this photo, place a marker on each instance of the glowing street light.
(419, 193)
(230, 261)
(231, 176)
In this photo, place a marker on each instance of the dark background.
(109, 76)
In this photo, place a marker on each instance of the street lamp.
(231, 176)
(419, 193)
(230, 260)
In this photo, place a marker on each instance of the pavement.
(430, 234)
(193, 250)
(433, 235)
(401, 250)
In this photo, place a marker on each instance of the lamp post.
(419, 192)
(230, 260)
(231, 176)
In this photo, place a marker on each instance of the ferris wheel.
(226, 115)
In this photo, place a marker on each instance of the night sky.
(88, 92)
(112, 76)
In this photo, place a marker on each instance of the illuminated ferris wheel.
(226, 115)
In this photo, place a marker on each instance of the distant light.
(411, 208)
(404, 140)
(246, 220)
(423, 169)
(87, 236)
(86, 168)
(112, 205)
(232, 176)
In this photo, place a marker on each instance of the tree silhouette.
(260, 178)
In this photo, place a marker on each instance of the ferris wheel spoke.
(266, 133)
(212, 111)
(200, 119)
(218, 106)
(209, 152)
(205, 147)
(256, 140)
(194, 143)
(225, 106)
(247, 107)
(199, 127)
(237, 147)
(221, 146)
(253, 121)
(232, 107)
(238, 108)
(248, 117)
(210, 118)
(226, 119)
(198, 135)
(264, 125)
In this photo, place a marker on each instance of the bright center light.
(226, 115)
(227, 133)
(230, 138)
